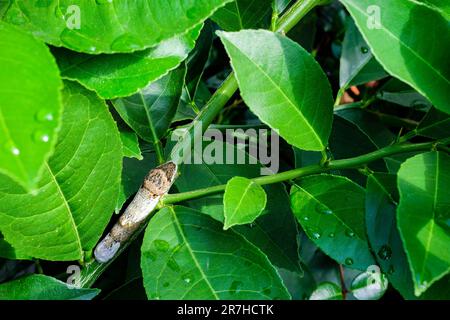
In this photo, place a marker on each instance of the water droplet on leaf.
(385, 252)
(126, 42)
(349, 261)
(364, 50)
(44, 116)
(315, 235)
(349, 233)
(39, 136)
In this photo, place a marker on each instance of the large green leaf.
(381, 205)
(110, 26)
(121, 75)
(243, 14)
(357, 64)
(30, 105)
(150, 111)
(243, 201)
(331, 211)
(401, 42)
(423, 216)
(78, 189)
(40, 287)
(283, 85)
(187, 255)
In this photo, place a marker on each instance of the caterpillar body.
(156, 184)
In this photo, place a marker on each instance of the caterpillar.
(156, 184)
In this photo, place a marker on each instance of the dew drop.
(44, 116)
(385, 252)
(161, 245)
(305, 218)
(15, 151)
(126, 42)
(331, 235)
(349, 233)
(364, 50)
(39, 136)
(315, 235)
(349, 261)
(187, 280)
(323, 209)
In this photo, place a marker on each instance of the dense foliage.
(94, 94)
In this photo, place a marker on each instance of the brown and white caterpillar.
(156, 184)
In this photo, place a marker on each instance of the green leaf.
(369, 285)
(133, 174)
(435, 125)
(110, 26)
(243, 201)
(357, 64)
(401, 42)
(331, 211)
(327, 291)
(283, 85)
(150, 112)
(243, 14)
(130, 145)
(381, 204)
(30, 105)
(121, 75)
(40, 287)
(187, 255)
(423, 217)
(78, 189)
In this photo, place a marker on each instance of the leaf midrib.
(191, 253)
(69, 210)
